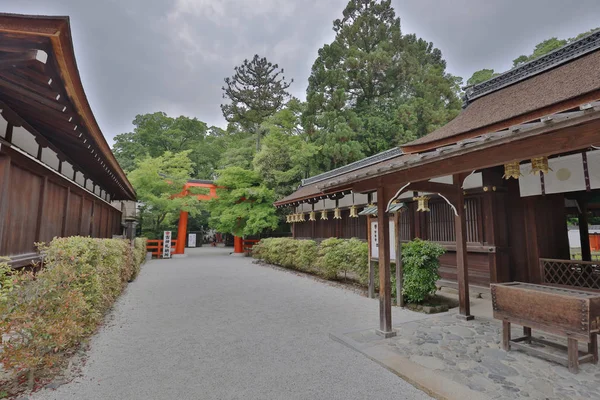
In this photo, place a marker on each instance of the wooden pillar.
(399, 267)
(238, 244)
(181, 233)
(584, 235)
(385, 288)
(460, 226)
(371, 282)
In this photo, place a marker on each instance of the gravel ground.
(211, 326)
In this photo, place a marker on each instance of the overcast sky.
(141, 56)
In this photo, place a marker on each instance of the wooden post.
(593, 347)
(40, 216)
(399, 267)
(527, 334)
(573, 354)
(584, 236)
(506, 335)
(371, 282)
(385, 288)
(65, 220)
(460, 225)
(181, 233)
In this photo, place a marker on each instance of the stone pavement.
(442, 354)
(211, 326)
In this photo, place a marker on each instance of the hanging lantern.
(301, 217)
(539, 164)
(337, 214)
(324, 215)
(312, 216)
(423, 204)
(512, 170)
(353, 212)
(288, 219)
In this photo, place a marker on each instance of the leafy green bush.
(46, 314)
(7, 283)
(139, 255)
(331, 257)
(420, 262)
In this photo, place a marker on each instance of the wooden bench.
(573, 314)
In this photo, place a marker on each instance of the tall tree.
(481, 76)
(373, 88)
(157, 181)
(156, 133)
(286, 156)
(540, 49)
(256, 91)
(244, 206)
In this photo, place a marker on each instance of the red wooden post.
(181, 233)
(238, 245)
(385, 286)
(460, 226)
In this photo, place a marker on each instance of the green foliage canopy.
(158, 181)
(244, 206)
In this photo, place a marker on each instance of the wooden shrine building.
(497, 183)
(58, 176)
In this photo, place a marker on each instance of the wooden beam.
(42, 89)
(462, 268)
(13, 59)
(564, 137)
(27, 96)
(385, 288)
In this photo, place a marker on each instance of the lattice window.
(441, 221)
(582, 274)
(405, 225)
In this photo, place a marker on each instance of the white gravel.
(211, 326)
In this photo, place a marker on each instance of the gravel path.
(211, 326)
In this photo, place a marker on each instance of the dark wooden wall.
(344, 228)
(506, 234)
(37, 205)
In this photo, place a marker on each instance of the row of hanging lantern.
(538, 164)
(312, 216)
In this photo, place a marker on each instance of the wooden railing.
(248, 244)
(155, 246)
(573, 273)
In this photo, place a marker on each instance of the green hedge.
(44, 315)
(329, 259)
(420, 260)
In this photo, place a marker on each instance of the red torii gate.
(183, 215)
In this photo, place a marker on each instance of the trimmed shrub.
(332, 258)
(420, 262)
(7, 283)
(51, 312)
(328, 259)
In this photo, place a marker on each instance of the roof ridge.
(365, 162)
(562, 55)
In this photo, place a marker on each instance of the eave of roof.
(57, 30)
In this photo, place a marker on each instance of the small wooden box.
(570, 313)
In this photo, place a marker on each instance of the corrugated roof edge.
(365, 162)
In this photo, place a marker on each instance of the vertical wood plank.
(573, 350)
(4, 190)
(506, 335)
(527, 333)
(40, 216)
(460, 226)
(385, 289)
(66, 213)
(593, 347)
